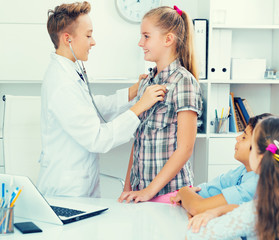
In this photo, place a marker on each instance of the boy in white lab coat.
(72, 131)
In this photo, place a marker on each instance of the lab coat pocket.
(162, 116)
(74, 183)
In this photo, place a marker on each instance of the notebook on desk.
(31, 204)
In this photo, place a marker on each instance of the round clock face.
(134, 10)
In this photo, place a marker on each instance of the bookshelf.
(253, 34)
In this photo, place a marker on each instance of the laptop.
(31, 204)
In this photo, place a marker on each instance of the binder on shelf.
(201, 41)
(240, 114)
(233, 111)
(239, 122)
(248, 108)
(242, 109)
(220, 56)
(232, 120)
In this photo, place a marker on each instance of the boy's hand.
(151, 95)
(142, 76)
(133, 90)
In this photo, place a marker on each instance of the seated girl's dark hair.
(254, 120)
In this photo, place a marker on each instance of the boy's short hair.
(254, 120)
(62, 17)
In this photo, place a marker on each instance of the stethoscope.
(84, 74)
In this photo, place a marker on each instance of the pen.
(229, 111)
(229, 114)
(220, 123)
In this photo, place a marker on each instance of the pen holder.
(221, 125)
(6, 220)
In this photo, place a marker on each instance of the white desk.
(142, 221)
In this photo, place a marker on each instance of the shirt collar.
(64, 60)
(164, 75)
(68, 64)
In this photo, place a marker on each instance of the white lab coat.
(72, 133)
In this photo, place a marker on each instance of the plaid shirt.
(156, 136)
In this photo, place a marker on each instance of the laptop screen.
(31, 204)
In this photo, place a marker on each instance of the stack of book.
(240, 111)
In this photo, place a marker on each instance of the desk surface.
(142, 221)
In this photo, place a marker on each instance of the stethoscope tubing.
(84, 74)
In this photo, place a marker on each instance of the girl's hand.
(176, 200)
(137, 196)
(127, 187)
(200, 220)
(195, 189)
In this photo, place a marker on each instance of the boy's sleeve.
(187, 95)
(244, 192)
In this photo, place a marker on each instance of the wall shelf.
(99, 81)
(243, 81)
(224, 135)
(247, 27)
(201, 135)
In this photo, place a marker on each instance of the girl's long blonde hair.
(169, 20)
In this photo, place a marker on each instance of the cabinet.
(245, 29)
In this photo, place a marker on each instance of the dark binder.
(243, 109)
(201, 41)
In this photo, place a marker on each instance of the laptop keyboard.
(65, 212)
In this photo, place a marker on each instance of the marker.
(13, 202)
(3, 190)
(3, 194)
(13, 195)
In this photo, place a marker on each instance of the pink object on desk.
(164, 198)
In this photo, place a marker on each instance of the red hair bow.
(178, 10)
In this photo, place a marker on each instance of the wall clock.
(134, 10)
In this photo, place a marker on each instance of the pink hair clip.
(178, 10)
(272, 148)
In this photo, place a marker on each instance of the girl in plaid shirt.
(164, 140)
